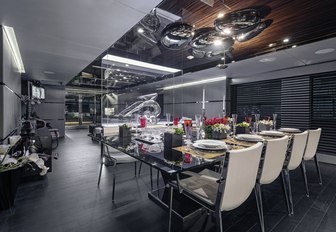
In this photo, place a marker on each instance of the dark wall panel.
(324, 110)
(295, 102)
(262, 98)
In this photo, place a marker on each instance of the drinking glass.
(274, 121)
(175, 122)
(143, 121)
(256, 126)
(168, 118)
(187, 128)
(198, 120)
(234, 122)
(136, 117)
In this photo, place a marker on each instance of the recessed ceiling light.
(294, 46)
(271, 45)
(233, 61)
(14, 47)
(220, 15)
(227, 31)
(118, 70)
(217, 42)
(126, 65)
(206, 81)
(190, 57)
(140, 63)
(324, 51)
(141, 30)
(49, 72)
(113, 64)
(285, 40)
(223, 58)
(269, 59)
(241, 37)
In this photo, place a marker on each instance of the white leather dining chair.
(223, 191)
(274, 158)
(298, 148)
(310, 153)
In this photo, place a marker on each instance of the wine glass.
(168, 119)
(274, 121)
(234, 122)
(257, 119)
(198, 120)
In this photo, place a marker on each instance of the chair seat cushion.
(120, 157)
(202, 185)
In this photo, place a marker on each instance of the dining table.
(172, 167)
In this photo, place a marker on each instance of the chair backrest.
(241, 176)
(275, 155)
(312, 143)
(298, 149)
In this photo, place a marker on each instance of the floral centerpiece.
(243, 128)
(265, 124)
(216, 128)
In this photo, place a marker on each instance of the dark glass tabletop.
(170, 162)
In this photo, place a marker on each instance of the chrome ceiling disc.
(176, 35)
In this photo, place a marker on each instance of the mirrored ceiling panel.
(181, 36)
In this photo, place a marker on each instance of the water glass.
(136, 118)
(198, 120)
(143, 122)
(187, 128)
(256, 124)
(234, 122)
(168, 118)
(274, 121)
(175, 122)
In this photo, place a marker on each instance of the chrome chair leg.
(140, 166)
(170, 207)
(100, 172)
(290, 196)
(257, 192)
(151, 177)
(318, 169)
(285, 191)
(304, 175)
(219, 223)
(113, 187)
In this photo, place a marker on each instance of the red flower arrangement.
(213, 121)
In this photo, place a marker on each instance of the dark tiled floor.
(69, 200)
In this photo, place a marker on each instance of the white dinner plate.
(272, 133)
(289, 130)
(250, 138)
(209, 144)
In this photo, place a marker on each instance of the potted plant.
(216, 128)
(265, 124)
(172, 139)
(219, 131)
(124, 131)
(242, 128)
